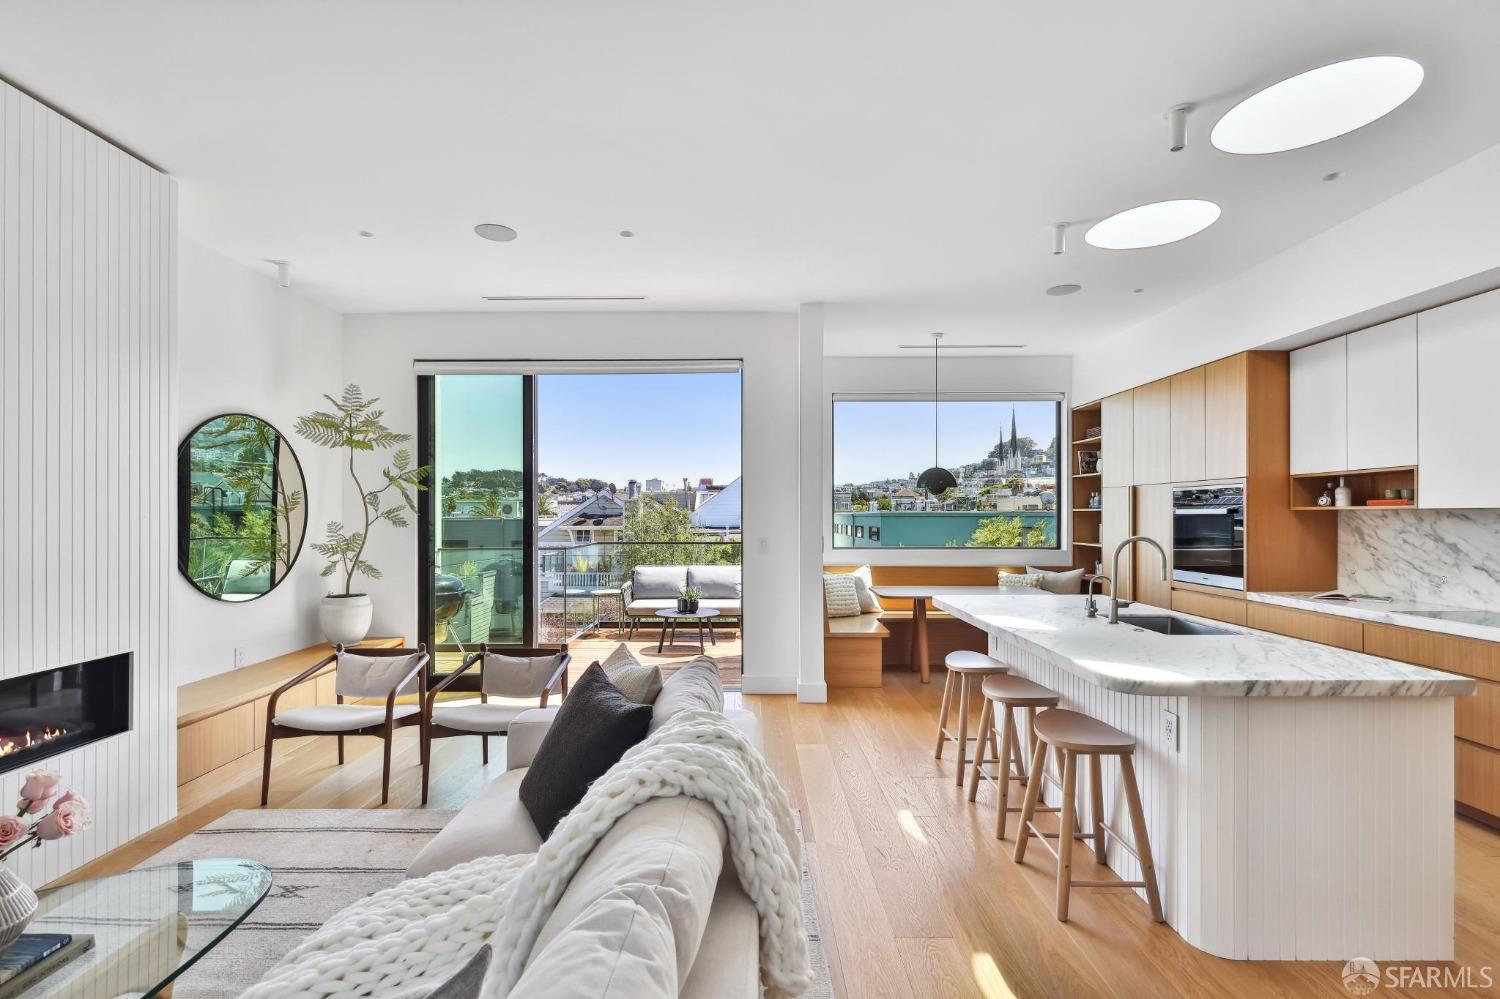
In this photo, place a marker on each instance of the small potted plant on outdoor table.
(687, 599)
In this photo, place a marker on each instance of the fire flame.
(28, 740)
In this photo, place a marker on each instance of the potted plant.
(69, 813)
(687, 599)
(354, 425)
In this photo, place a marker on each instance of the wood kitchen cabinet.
(1458, 356)
(1152, 432)
(1320, 408)
(1118, 420)
(1225, 410)
(1382, 395)
(1187, 433)
(1153, 518)
(1115, 525)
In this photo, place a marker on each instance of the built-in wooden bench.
(851, 644)
(222, 718)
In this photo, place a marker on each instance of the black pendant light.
(937, 479)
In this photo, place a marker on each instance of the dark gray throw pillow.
(466, 982)
(592, 730)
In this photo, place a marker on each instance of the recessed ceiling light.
(1317, 105)
(1328, 177)
(1137, 291)
(495, 231)
(1152, 225)
(626, 233)
(367, 234)
(1058, 290)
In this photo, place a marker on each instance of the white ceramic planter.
(346, 620)
(17, 905)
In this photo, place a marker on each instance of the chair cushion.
(718, 582)
(869, 603)
(840, 595)
(518, 676)
(1020, 581)
(374, 676)
(489, 718)
(493, 823)
(1067, 581)
(340, 717)
(657, 582)
(593, 728)
(696, 685)
(636, 680)
(665, 856)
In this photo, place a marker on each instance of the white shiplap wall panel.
(87, 374)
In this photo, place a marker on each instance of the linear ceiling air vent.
(564, 298)
(965, 346)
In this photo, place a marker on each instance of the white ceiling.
(900, 161)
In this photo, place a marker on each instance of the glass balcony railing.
(578, 588)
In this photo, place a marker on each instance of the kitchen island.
(1299, 797)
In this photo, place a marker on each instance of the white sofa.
(654, 588)
(679, 843)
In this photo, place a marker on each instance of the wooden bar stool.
(1003, 694)
(963, 668)
(1074, 735)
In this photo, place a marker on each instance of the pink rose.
(69, 795)
(69, 817)
(12, 829)
(39, 788)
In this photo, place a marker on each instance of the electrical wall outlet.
(1170, 726)
(239, 657)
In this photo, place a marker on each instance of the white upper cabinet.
(1382, 393)
(1458, 365)
(1319, 390)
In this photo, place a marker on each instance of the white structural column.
(812, 399)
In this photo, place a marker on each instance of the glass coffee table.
(148, 925)
(669, 619)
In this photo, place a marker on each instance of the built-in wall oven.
(1208, 535)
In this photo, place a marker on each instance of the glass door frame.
(427, 526)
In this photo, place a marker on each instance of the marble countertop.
(1465, 622)
(1244, 663)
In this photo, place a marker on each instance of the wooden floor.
(915, 896)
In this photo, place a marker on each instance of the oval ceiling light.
(1059, 290)
(1318, 105)
(495, 231)
(1152, 225)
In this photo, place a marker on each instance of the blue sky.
(889, 439)
(610, 427)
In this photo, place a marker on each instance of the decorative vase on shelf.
(1343, 495)
(346, 619)
(17, 906)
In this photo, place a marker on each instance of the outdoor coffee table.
(671, 617)
(148, 925)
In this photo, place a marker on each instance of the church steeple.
(1015, 446)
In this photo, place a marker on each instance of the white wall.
(378, 355)
(88, 242)
(1431, 243)
(248, 346)
(1001, 375)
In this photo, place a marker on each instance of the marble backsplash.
(1449, 557)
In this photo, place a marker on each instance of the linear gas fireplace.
(42, 714)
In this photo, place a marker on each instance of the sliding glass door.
(476, 515)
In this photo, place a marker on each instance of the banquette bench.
(856, 648)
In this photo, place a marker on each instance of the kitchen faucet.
(1114, 572)
(1089, 609)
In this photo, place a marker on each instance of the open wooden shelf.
(1368, 483)
(1088, 442)
(1086, 475)
(1088, 509)
(1088, 544)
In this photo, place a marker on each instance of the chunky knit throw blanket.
(410, 937)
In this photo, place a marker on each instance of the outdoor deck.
(600, 642)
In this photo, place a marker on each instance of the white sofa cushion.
(864, 583)
(340, 717)
(374, 676)
(665, 856)
(636, 680)
(493, 823)
(657, 582)
(488, 718)
(696, 685)
(620, 947)
(717, 582)
(728, 961)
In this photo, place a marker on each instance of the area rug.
(323, 859)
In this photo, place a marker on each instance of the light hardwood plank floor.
(915, 896)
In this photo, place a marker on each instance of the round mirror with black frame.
(241, 507)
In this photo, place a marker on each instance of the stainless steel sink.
(1164, 624)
